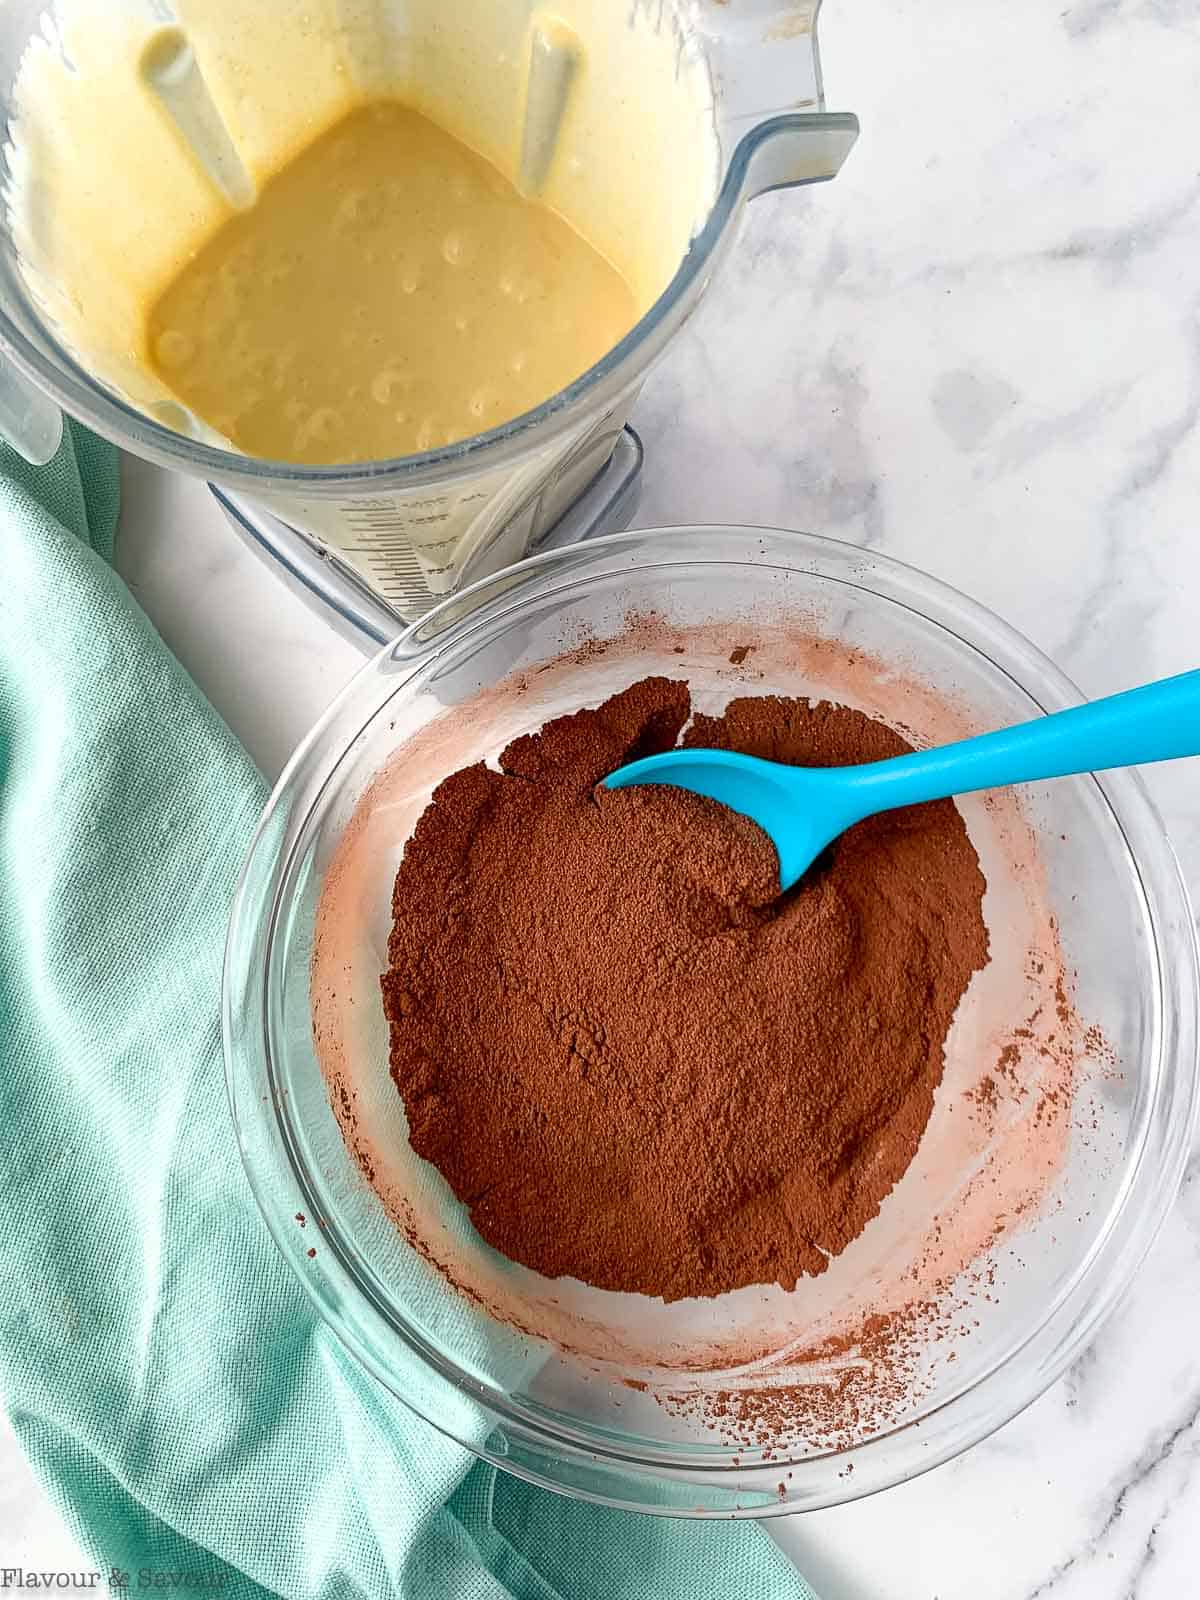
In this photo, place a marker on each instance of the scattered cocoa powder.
(853, 1397)
(634, 1061)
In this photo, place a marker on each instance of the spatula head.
(789, 804)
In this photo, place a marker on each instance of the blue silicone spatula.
(804, 809)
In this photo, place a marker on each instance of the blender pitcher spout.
(769, 96)
(789, 151)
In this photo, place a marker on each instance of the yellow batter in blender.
(389, 292)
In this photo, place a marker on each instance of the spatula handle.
(1158, 722)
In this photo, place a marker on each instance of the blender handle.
(29, 420)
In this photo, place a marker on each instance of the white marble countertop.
(978, 350)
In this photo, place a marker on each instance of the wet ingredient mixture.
(633, 1060)
(389, 292)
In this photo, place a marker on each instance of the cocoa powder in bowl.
(634, 1061)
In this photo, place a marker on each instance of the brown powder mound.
(632, 1059)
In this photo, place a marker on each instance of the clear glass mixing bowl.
(624, 1404)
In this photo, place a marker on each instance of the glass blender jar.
(135, 127)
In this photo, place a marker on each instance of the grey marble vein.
(1178, 1439)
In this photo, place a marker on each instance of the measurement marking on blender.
(393, 524)
(383, 541)
(393, 555)
(392, 542)
(406, 576)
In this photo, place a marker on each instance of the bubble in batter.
(389, 226)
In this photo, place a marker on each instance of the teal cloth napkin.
(167, 1379)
